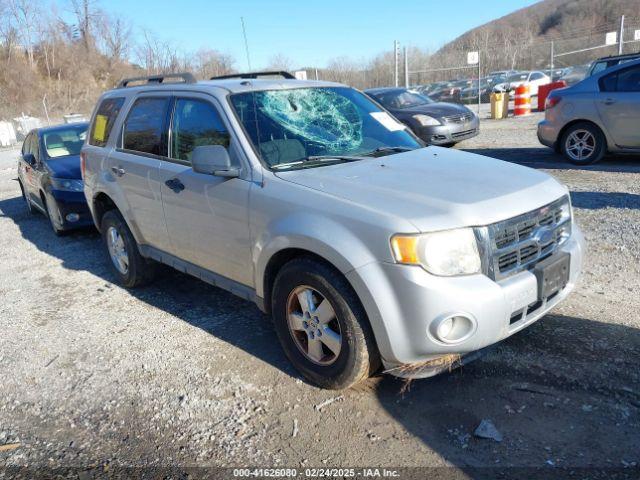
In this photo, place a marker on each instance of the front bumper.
(74, 204)
(402, 303)
(449, 133)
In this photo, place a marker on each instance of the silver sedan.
(598, 115)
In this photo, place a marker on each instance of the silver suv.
(367, 248)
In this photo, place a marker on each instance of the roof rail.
(255, 75)
(160, 78)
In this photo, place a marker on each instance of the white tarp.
(74, 118)
(25, 124)
(7, 134)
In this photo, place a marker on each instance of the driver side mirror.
(30, 159)
(213, 160)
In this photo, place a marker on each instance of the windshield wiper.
(381, 151)
(316, 160)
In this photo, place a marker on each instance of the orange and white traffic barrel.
(522, 101)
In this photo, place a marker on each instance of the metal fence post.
(621, 36)
(551, 63)
(406, 68)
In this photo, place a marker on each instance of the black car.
(50, 178)
(436, 123)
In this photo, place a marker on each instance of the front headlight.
(446, 253)
(67, 184)
(426, 120)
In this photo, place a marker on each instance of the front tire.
(322, 325)
(583, 144)
(53, 214)
(131, 268)
(30, 208)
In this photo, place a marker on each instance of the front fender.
(314, 233)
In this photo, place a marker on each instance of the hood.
(435, 188)
(437, 110)
(65, 167)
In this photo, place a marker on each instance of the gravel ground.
(180, 374)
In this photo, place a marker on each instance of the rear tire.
(583, 144)
(331, 344)
(131, 269)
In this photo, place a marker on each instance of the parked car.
(49, 175)
(600, 114)
(575, 74)
(607, 62)
(449, 92)
(436, 123)
(306, 197)
(502, 73)
(470, 93)
(533, 79)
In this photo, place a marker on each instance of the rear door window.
(104, 120)
(195, 123)
(627, 80)
(144, 128)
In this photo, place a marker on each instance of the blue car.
(50, 178)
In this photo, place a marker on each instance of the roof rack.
(186, 78)
(255, 75)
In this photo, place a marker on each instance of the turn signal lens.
(405, 249)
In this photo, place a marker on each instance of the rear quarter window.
(103, 122)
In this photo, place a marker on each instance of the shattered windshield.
(289, 126)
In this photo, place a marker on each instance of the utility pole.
(621, 36)
(479, 92)
(406, 68)
(551, 62)
(396, 54)
(246, 44)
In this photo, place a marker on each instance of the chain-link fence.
(556, 55)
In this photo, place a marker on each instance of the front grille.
(458, 118)
(521, 242)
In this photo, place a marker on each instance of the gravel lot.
(181, 374)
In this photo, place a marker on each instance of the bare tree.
(207, 63)
(86, 15)
(280, 61)
(115, 37)
(25, 17)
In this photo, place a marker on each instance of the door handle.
(174, 184)
(609, 101)
(118, 171)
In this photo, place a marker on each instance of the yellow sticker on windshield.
(100, 128)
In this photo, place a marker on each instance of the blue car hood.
(65, 167)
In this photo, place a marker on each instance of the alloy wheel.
(580, 145)
(117, 250)
(313, 325)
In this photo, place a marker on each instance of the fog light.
(454, 328)
(72, 217)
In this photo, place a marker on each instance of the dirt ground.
(180, 374)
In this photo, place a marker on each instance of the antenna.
(246, 44)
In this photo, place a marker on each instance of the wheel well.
(571, 124)
(277, 261)
(102, 203)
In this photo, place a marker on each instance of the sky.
(308, 32)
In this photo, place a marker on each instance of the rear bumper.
(449, 133)
(548, 134)
(405, 304)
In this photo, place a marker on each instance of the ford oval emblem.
(544, 235)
